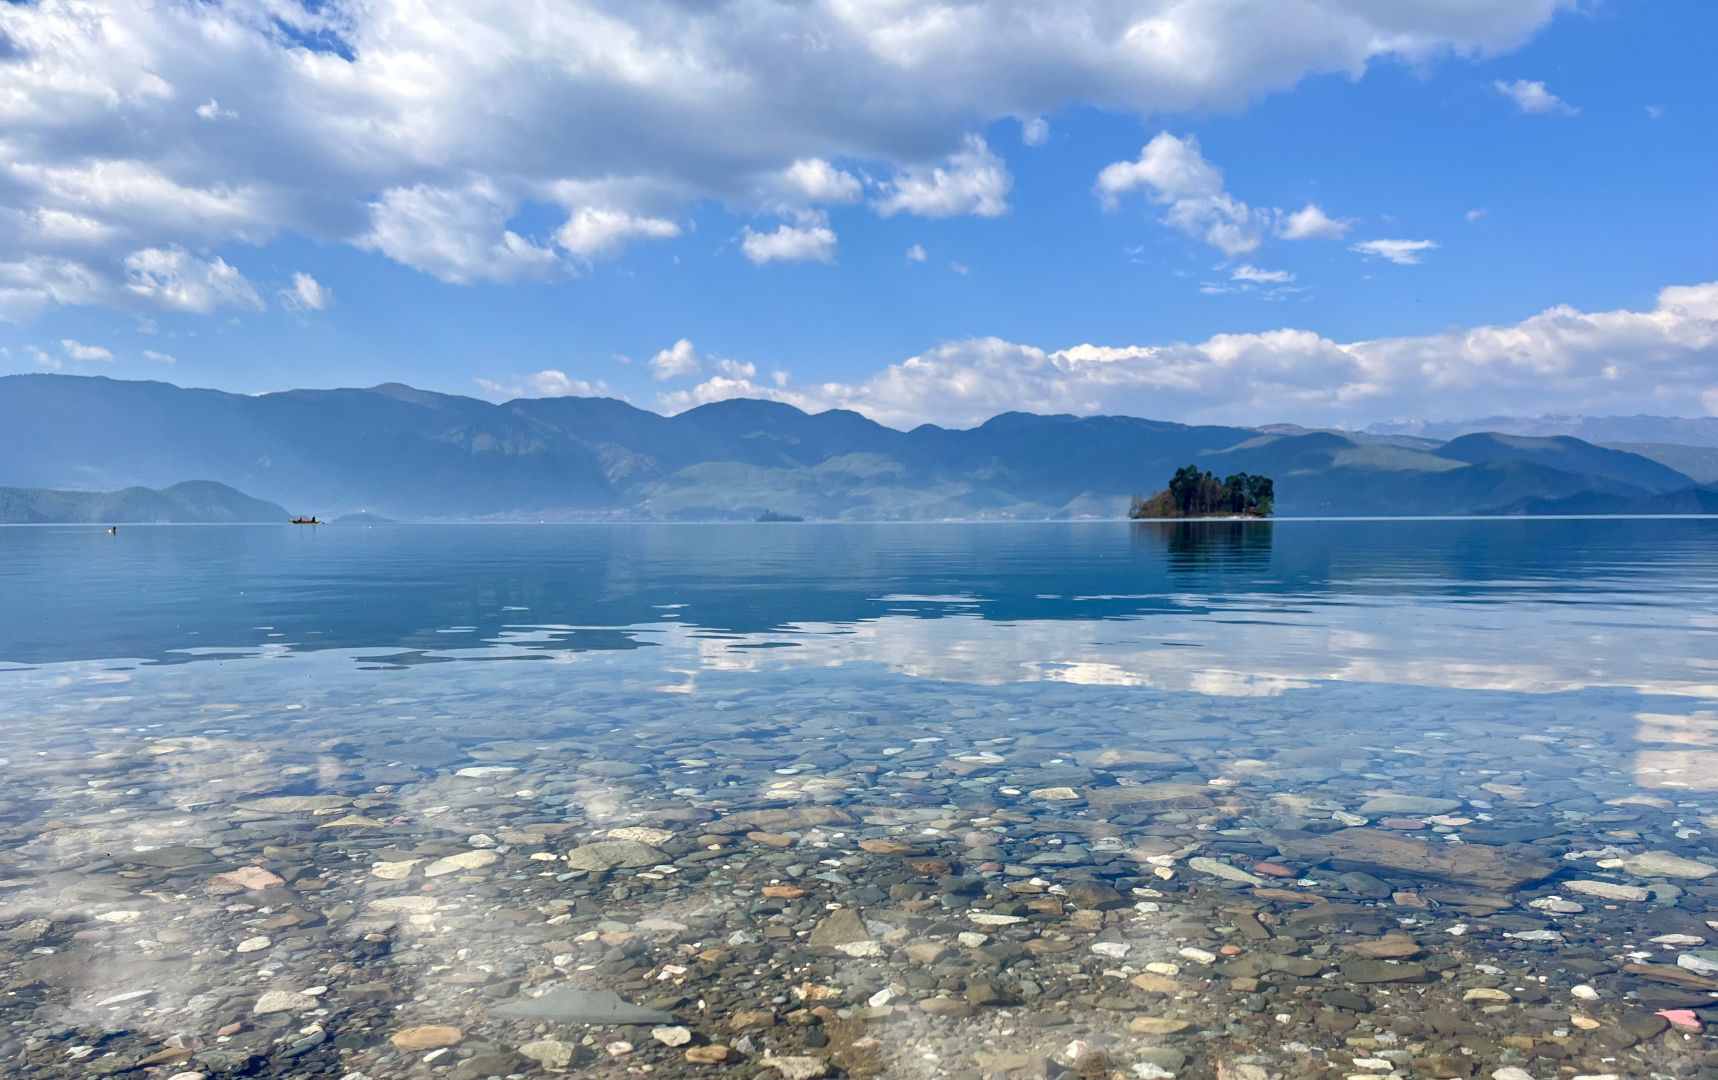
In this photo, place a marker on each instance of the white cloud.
(812, 241)
(1662, 360)
(600, 231)
(973, 181)
(77, 350)
(1475, 215)
(175, 279)
(212, 110)
(960, 268)
(459, 235)
(816, 180)
(159, 357)
(1035, 131)
(546, 383)
(43, 358)
(734, 369)
(306, 294)
(1260, 277)
(28, 285)
(1400, 252)
(916, 253)
(1532, 97)
(1175, 174)
(1311, 221)
(679, 360)
(1655, 112)
(467, 115)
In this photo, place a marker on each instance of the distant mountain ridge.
(1672, 430)
(412, 454)
(191, 502)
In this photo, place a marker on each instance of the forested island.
(1194, 493)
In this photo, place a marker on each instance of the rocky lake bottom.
(846, 876)
(855, 851)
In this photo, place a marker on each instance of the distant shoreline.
(868, 521)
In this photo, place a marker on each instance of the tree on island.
(1195, 493)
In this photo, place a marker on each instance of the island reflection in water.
(1200, 796)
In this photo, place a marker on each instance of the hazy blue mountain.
(1675, 430)
(405, 453)
(1698, 462)
(1566, 454)
(195, 501)
(1701, 499)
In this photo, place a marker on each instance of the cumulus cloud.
(546, 383)
(1400, 252)
(973, 181)
(1311, 221)
(1175, 174)
(601, 231)
(1035, 131)
(916, 253)
(816, 180)
(195, 126)
(175, 279)
(459, 235)
(811, 241)
(160, 357)
(1532, 97)
(77, 350)
(679, 360)
(1662, 360)
(306, 294)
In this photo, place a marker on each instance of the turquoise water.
(1033, 709)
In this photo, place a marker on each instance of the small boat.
(113, 530)
(306, 521)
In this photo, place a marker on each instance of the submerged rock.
(614, 855)
(575, 1006)
(1372, 850)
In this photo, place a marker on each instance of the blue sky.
(1516, 200)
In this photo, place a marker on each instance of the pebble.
(551, 1054)
(797, 1066)
(426, 1037)
(1667, 864)
(465, 860)
(641, 835)
(1607, 890)
(279, 1001)
(614, 855)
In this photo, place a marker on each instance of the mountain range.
(193, 501)
(412, 454)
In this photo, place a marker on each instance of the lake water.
(1238, 800)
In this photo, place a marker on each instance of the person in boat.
(113, 530)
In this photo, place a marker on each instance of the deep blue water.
(1644, 587)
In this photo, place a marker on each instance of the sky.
(1328, 212)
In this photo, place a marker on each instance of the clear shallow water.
(1056, 720)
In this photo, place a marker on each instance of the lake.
(1227, 799)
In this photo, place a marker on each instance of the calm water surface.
(1415, 798)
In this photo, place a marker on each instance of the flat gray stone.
(613, 855)
(582, 1007)
(1408, 804)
